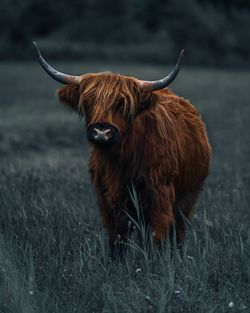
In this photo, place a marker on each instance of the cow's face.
(110, 103)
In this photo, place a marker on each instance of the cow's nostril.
(108, 133)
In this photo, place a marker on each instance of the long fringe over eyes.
(103, 93)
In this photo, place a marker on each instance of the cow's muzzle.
(103, 134)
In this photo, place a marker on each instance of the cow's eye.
(87, 108)
(120, 107)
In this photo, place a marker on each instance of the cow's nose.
(102, 134)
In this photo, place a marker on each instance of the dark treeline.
(212, 32)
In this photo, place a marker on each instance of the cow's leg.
(183, 210)
(116, 223)
(107, 199)
(162, 212)
(116, 231)
(107, 217)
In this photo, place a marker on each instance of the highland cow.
(141, 134)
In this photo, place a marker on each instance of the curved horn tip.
(37, 49)
(181, 55)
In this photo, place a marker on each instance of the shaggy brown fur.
(163, 151)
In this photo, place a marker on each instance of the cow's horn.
(164, 82)
(58, 76)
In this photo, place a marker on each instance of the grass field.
(53, 250)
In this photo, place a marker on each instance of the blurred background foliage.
(213, 33)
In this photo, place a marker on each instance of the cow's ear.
(147, 101)
(69, 95)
